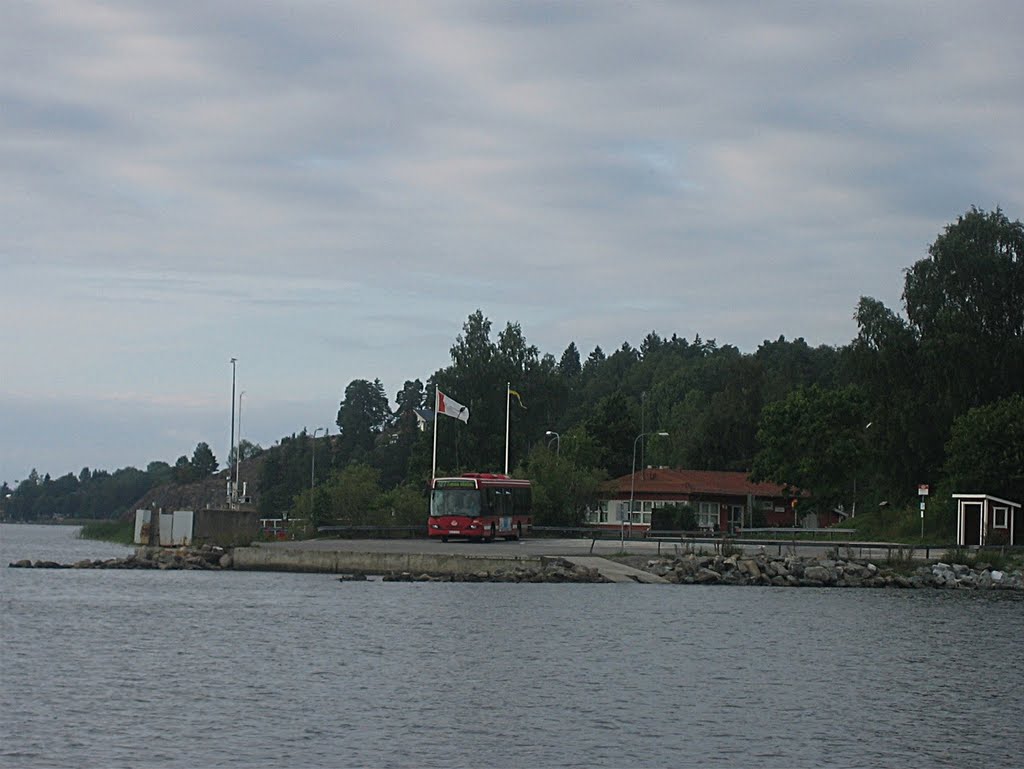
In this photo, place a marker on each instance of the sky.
(325, 191)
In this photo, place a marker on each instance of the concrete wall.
(341, 562)
(225, 527)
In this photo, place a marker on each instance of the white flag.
(449, 407)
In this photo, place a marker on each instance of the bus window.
(455, 502)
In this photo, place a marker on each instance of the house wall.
(976, 521)
(709, 509)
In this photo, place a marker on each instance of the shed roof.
(988, 497)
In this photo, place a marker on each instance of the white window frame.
(708, 514)
(1000, 512)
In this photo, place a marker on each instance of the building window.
(1000, 516)
(707, 515)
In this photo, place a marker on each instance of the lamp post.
(558, 441)
(312, 466)
(231, 451)
(238, 459)
(853, 507)
(632, 486)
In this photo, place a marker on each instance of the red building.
(720, 500)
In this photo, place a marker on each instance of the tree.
(183, 472)
(204, 463)
(362, 416)
(410, 397)
(160, 472)
(245, 450)
(960, 346)
(352, 494)
(569, 365)
(562, 490)
(404, 505)
(813, 440)
(985, 451)
(614, 426)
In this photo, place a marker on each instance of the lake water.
(190, 668)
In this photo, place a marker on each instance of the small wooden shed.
(982, 519)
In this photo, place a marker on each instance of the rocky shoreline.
(554, 570)
(797, 571)
(688, 569)
(207, 557)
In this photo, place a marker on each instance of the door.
(735, 518)
(972, 524)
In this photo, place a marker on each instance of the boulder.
(819, 574)
(707, 576)
(748, 566)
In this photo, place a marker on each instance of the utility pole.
(234, 492)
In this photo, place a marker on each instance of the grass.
(994, 559)
(119, 532)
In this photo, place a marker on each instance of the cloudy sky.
(326, 190)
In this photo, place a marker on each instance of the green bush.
(120, 532)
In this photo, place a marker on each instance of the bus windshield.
(455, 502)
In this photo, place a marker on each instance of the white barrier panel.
(143, 519)
(181, 528)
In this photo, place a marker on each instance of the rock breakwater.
(796, 571)
(553, 570)
(207, 557)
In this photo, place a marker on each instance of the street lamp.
(232, 449)
(558, 441)
(238, 459)
(312, 467)
(853, 507)
(632, 485)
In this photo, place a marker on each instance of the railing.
(368, 532)
(790, 542)
(590, 532)
(685, 538)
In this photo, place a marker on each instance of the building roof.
(662, 481)
(988, 497)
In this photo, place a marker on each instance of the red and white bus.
(479, 506)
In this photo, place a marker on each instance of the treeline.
(929, 395)
(101, 494)
(90, 494)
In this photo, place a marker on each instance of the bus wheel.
(444, 539)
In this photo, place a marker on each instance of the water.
(185, 669)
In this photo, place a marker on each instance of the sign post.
(922, 491)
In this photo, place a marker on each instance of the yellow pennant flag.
(518, 398)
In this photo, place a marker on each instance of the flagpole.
(508, 410)
(433, 463)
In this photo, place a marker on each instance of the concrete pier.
(342, 561)
(422, 557)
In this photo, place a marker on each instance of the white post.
(231, 492)
(433, 463)
(508, 413)
(238, 459)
